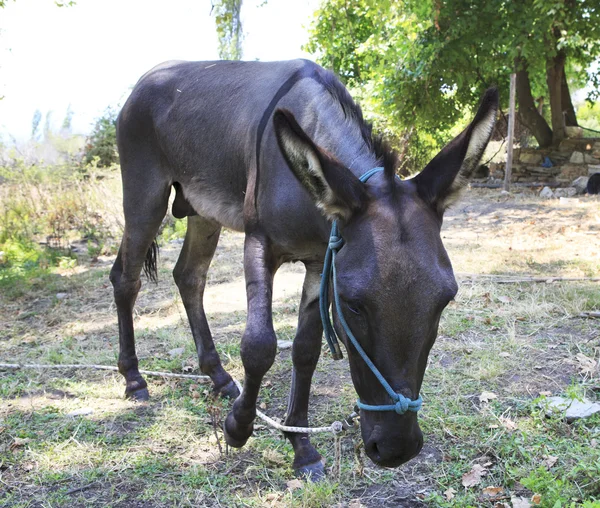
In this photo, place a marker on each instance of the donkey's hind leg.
(190, 276)
(144, 210)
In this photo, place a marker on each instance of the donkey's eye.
(353, 309)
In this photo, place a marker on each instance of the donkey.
(276, 150)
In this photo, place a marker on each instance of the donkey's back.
(196, 126)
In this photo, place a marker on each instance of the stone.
(590, 160)
(284, 344)
(573, 131)
(178, 351)
(546, 193)
(576, 158)
(571, 171)
(580, 184)
(573, 409)
(83, 411)
(530, 158)
(61, 296)
(596, 146)
(592, 169)
(565, 192)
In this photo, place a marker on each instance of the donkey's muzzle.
(390, 449)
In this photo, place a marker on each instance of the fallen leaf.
(450, 494)
(274, 457)
(587, 365)
(474, 476)
(550, 460)
(355, 503)
(262, 405)
(504, 354)
(294, 484)
(520, 502)
(536, 499)
(18, 442)
(492, 491)
(594, 443)
(487, 396)
(504, 299)
(508, 423)
(546, 393)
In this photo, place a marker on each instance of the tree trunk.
(528, 113)
(567, 104)
(555, 70)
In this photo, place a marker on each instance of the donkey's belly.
(221, 204)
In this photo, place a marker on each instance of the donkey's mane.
(385, 155)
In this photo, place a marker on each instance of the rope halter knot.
(401, 404)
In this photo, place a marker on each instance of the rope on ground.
(335, 428)
(514, 279)
(154, 373)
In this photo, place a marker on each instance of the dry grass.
(513, 340)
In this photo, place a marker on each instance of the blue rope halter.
(401, 404)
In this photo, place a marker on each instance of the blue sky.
(90, 55)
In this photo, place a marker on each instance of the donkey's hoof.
(314, 472)
(236, 435)
(228, 391)
(141, 394)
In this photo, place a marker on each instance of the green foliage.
(419, 68)
(42, 209)
(101, 145)
(588, 115)
(229, 28)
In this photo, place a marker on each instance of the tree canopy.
(420, 66)
(229, 28)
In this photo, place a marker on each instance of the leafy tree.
(421, 65)
(102, 142)
(35, 124)
(229, 28)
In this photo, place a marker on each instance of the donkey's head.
(394, 277)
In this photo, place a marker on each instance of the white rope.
(335, 428)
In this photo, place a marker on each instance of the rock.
(572, 408)
(590, 160)
(596, 146)
(573, 131)
(576, 158)
(284, 344)
(61, 296)
(83, 411)
(178, 351)
(530, 158)
(565, 192)
(546, 193)
(592, 170)
(580, 184)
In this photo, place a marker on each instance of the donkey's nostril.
(373, 451)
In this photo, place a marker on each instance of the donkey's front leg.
(305, 355)
(259, 343)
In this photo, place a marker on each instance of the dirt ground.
(518, 341)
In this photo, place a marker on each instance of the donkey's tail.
(151, 262)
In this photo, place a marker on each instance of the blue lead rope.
(401, 404)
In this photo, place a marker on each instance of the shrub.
(101, 144)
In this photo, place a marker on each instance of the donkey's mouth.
(388, 457)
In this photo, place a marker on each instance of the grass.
(520, 342)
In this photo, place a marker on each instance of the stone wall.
(574, 157)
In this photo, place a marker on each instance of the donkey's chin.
(390, 449)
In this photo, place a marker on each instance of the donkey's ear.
(441, 181)
(334, 189)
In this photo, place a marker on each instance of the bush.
(101, 144)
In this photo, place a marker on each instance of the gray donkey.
(276, 150)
